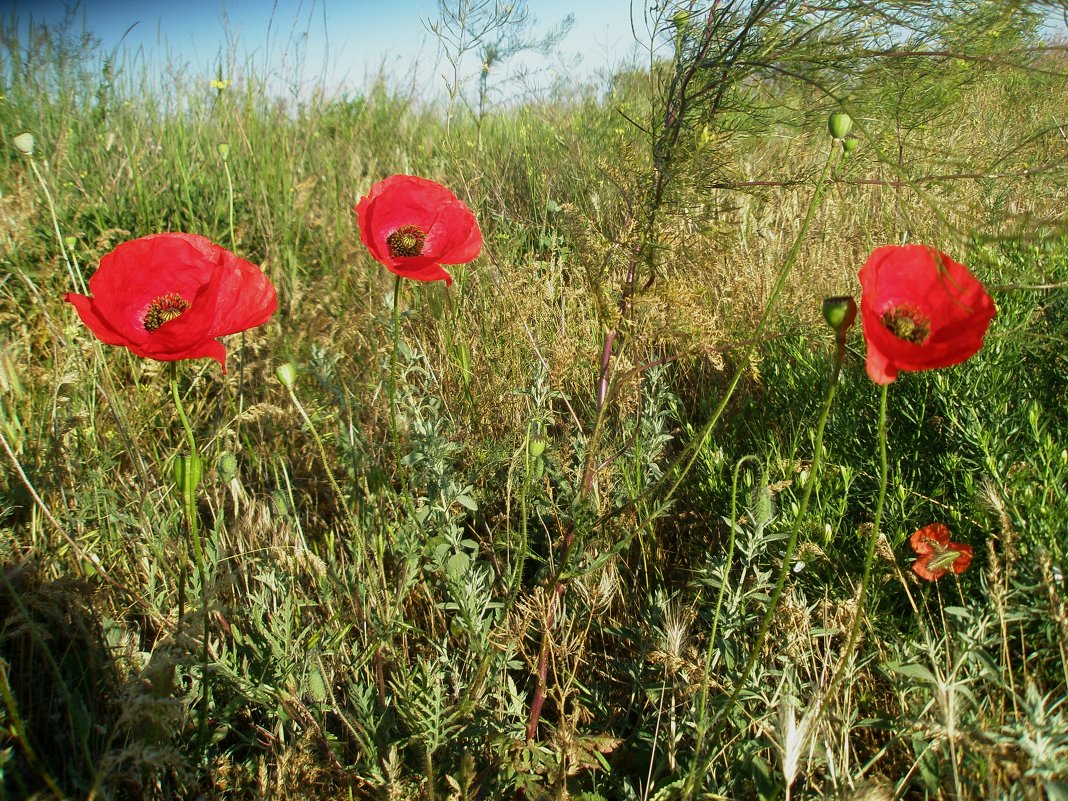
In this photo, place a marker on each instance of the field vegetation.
(603, 519)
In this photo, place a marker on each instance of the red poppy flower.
(413, 226)
(168, 297)
(920, 310)
(937, 554)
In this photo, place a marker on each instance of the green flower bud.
(849, 145)
(287, 374)
(840, 312)
(227, 467)
(537, 445)
(839, 124)
(24, 143)
(70, 242)
(763, 511)
(224, 150)
(188, 466)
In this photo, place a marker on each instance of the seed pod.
(24, 143)
(287, 374)
(839, 124)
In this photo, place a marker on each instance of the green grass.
(376, 625)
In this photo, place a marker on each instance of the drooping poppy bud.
(24, 143)
(840, 312)
(287, 374)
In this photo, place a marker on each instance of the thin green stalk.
(784, 570)
(393, 369)
(181, 410)
(233, 247)
(341, 496)
(726, 570)
(517, 572)
(727, 563)
(869, 556)
(75, 276)
(230, 198)
(702, 705)
(689, 455)
(869, 560)
(188, 488)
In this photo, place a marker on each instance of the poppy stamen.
(408, 240)
(908, 323)
(164, 309)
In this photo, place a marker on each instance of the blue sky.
(343, 41)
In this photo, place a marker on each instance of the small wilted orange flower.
(937, 554)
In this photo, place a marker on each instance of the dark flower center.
(408, 240)
(164, 309)
(908, 323)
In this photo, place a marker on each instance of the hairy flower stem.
(233, 247)
(230, 199)
(702, 705)
(541, 688)
(393, 370)
(76, 277)
(677, 103)
(869, 557)
(682, 466)
(695, 448)
(341, 497)
(784, 571)
(188, 489)
(726, 570)
(679, 98)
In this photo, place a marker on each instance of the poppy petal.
(879, 368)
(924, 540)
(924, 571)
(245, 297)
(960, 564)
(937, 555)
(96, 322)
